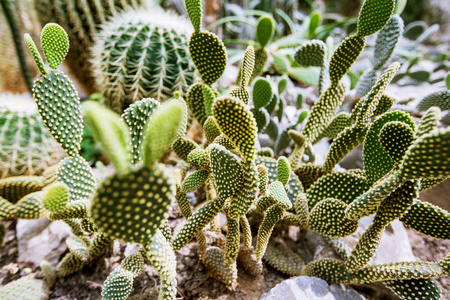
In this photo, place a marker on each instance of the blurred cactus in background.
(140, 54)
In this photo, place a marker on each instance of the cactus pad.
(194, 10)
(311, 53)
(55, 43)
(262, 93)
(131, 207)
(56, 197)
(265, 29)
(136, 116)
(386, 40)
(374, 15)
(396, 137)
(283, 259)
(118, 285)
(54, 93)
(237, 123)
(76, 174)
(344, 56)
(209, 55)
(440, 99)
(226, 171)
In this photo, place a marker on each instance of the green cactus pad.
(134, 264)
(339, 185)
(262, 118)
(440, 99)
(371, 100)
(136, 116)
(241, 93)
(308, 174)
(74, 210)
(162, 130)
(366, 82)
(182, 147)
(262, 93)
(272, 215)
(55, 43)
(54, 93)
(76, 174)
(35, 53)
(283, 259)
(266, 152)
(209, 96)
(294, 185)
(262, 179)
(232, 242)
(429, 121)
(277, 192)
(194, 181)
(427, 157)
(265, 29)
(237, 123)
(283, 170)
(377, 161)
(118, 285)
(445, 264)
(396, 137)
(311, 53)
(109, 131)
(160, 254)
(386, 40)
(301, 209)
(194, 10)
(30, 207)
(365, 248)
(197, 221)
(241, 203)
(374, 15)
(195, 102)
(226, 171)
(328, 218)
(346, 141)
(261, 57)
(384, 105)
(211, 129)
(26, 288)
(397, 271)
(428, 219)
(246, 68)
(328, 269)
(209, 55)
(428, 183)
(418, 289)
(337, 125)
(323, 111)
(56, 197)
(7, 211)
(344, 56)
(214, 260)
(131, 207)
(78, 246)
(200, 158)
(14, 188)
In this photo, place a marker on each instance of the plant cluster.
(255, 191)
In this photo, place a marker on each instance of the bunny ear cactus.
(53, 91)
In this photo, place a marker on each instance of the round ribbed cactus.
(81, 20)
(27, 147)
(142, 54)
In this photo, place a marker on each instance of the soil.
(194, 281)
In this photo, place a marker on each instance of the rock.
(438, 195)
(304, 287)
(40, 240)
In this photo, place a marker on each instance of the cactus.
(82, 23)
(129, 65)
(30, 149)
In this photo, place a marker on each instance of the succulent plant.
(136, 56)
(27, 146)
(82, 23)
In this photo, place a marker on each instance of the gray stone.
(40, 240)
(304, 287)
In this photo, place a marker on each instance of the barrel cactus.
(81, 20)
(27, 146)
(142, 54)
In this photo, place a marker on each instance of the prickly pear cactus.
(27, 148)
(81, 20)
(142, 54)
